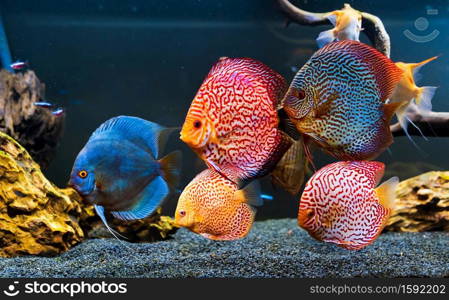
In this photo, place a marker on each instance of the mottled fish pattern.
(341, 205)
(215, 208)
(232, 121)
(338, 100)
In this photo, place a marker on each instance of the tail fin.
(290, 171)
(171, 168)
(386, 193)
(251, 194)
(325, 38)
(162, 137)
(424, 99)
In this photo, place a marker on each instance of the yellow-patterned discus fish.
(214, 207)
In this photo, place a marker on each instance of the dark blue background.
(104, 58)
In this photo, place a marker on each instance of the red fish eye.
(310, 213)
(197, 124)
(182, 213)
(82, 174)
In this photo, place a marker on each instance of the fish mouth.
(183, 137)
(81, 193)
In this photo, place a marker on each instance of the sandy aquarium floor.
(275, 248)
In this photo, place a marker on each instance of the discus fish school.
(245, 135)
(245, 123)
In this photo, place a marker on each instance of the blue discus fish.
(119, 169)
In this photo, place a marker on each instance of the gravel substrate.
(274, 248)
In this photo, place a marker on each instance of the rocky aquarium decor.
(34, 127)
(38, 218)
(422, 204)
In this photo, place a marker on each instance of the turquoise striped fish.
(337, 100)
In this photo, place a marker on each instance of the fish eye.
(300, 94)
(310, 213)
(197, 124)
(182, 213)
(82, 174)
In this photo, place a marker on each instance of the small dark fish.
(43, 104)
(120, 170)
(19, 65)
(58, 112)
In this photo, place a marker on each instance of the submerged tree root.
(422, 204)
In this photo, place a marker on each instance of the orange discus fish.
(337, 100)
(215, 208)
(341, 204)
(406, 91)
(233, 122)
(347, 26)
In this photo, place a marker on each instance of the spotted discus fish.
(233, 122)
(214, 207)
(337, 99)
(341, 204)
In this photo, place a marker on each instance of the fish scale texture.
(275, 248)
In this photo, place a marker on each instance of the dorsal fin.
(416, 66)
(141, 132)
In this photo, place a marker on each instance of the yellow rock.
(422, 204)
(35, 216)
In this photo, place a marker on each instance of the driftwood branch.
(431, 124)
(373, 26)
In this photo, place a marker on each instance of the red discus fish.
(341, 205)
(215, 208)
(233, 122)
(337, 100)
